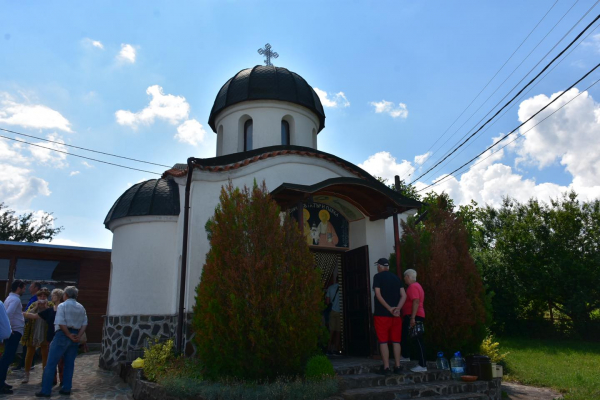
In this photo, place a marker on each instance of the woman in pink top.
(413, 311)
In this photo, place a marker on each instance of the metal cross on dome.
(268, 53)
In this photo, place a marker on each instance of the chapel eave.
(374, 199)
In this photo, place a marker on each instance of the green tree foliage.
(257, 312)
(405, 189)
(438, 249)
(25, 227)
(539, 257)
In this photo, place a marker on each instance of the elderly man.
(14, 310)
(412, 312)
(389, 299)
(70, 324)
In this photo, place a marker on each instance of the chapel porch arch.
(364, 205)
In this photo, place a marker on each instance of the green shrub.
(491, 349)
(157, 359)
(257, 312)
(280, 389)
(319, 367)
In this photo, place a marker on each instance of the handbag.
(416, 331)
(83, 339)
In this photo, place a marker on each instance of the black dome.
(267, 83)
(153, 197)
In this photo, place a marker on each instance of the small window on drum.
(285, 133)
(248, 135)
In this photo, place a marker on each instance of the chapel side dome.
(267, 83)
(152, 197)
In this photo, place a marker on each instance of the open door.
(357, 301)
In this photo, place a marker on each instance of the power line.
(518, 83)
(83, 148)
(511, 100)
(77, 155)
(511, 74)
(514, 130)
(527, 92)
(491, 79)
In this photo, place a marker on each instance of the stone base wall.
(125, 336)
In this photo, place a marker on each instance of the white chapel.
(267, 120)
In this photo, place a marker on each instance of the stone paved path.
(516, 391)
(89, 382)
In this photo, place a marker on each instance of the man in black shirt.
(389, 299)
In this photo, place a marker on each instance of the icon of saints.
(327, 235)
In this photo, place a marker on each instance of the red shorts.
(389, 329)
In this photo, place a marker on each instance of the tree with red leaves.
(455, 300)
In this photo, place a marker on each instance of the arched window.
(285, 133)
(248, 135)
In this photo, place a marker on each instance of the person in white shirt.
(70, 322)
(14, 311)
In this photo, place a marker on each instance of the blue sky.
(79, 73)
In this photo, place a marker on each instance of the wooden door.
(357, 301)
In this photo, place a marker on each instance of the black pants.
(10, 350)
(406, 341)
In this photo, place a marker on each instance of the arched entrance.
(338, 217)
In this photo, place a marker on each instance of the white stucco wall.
(144, 266)
(146, 253)
(266, 118)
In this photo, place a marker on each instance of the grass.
(570, 367)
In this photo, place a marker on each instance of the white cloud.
(388, 107)
(18, 187)
(383, 164)
(332, 100)
(593, 43)
(191, 131)
(127, 53)
(49, 157)
(419, 160)
(570, 136)
(87, 164)
(173, 109)
(94, 43)
(31, 115)
(73, 173)
(11, 152)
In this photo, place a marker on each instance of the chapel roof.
(267, 83)
(152, 197)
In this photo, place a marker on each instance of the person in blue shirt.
(5, 330)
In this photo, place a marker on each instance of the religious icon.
(327, 235)
(307, 231)
(314, 232)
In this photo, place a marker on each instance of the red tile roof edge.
(178, 173)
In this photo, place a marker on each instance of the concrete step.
(462, 396)
(424, 390)
(354, 366)
(372, 380)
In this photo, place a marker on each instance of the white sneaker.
(418, 368)
(402, 359)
